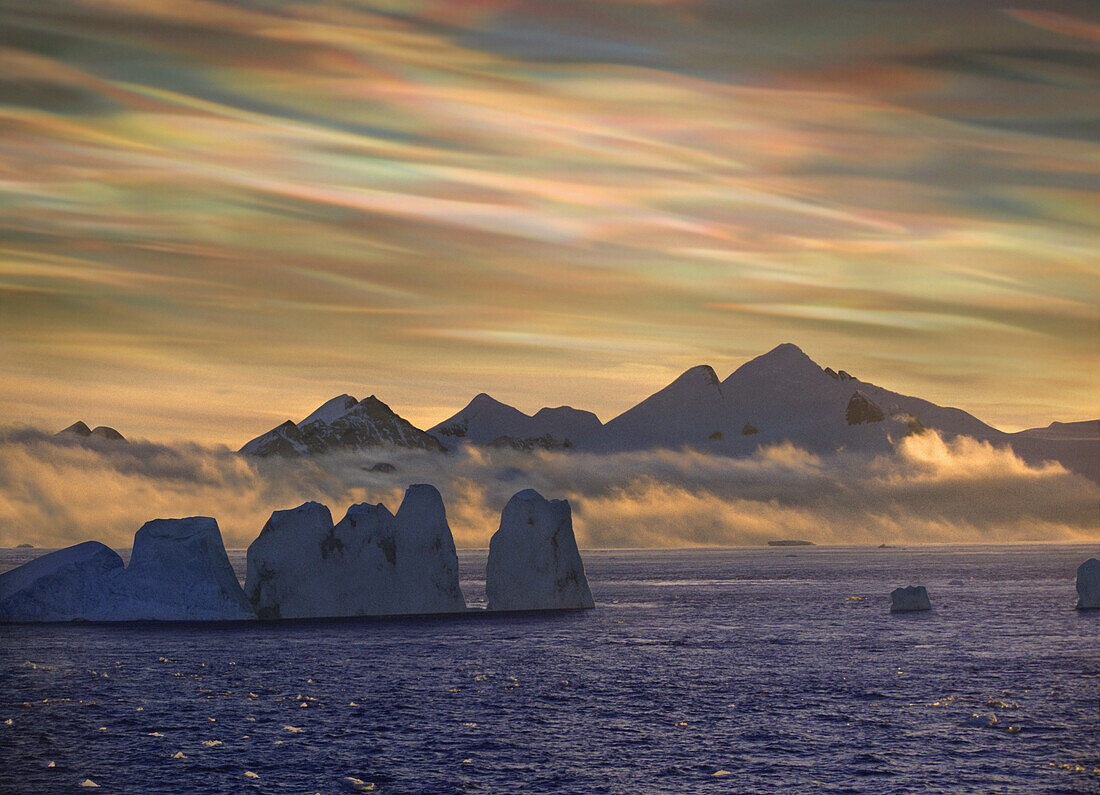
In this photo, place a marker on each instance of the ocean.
(702, 670)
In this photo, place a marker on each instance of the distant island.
(790, 542)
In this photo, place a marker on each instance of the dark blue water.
(777, 670)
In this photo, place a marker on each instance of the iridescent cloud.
(216, 215)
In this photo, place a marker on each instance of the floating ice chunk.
(988, 721)
(909, 599)
(357, 784)
(534, 563)
(1088, 585)
(67, 585)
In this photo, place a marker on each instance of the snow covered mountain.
(341, 424)
(691, 411)
(488, 421)
(781, 396)
(785, 396)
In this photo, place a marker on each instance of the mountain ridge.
(779, 396)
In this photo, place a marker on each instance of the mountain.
(341, 424)
(691, 411)
(486, 420)
(81, 429)
(1076, 445)
(780, 396)
(482, 420)
(786, 396)
(1070, 431)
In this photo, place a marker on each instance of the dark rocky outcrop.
(862, 409)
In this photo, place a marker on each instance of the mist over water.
(56, 492)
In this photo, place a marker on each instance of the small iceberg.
(1088, 585)
(909, 599)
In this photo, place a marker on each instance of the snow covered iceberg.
(909, 599)
(371, 563)
(534, 563)
(178, 571)
(67, 585)
(1088, 585)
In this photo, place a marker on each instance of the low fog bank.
(56, 491)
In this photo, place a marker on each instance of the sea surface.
(706, 670)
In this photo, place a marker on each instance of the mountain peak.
(700, 373)
(483, 400)
(78, 428)
(785, 351)
(783, 364)
(331, 409)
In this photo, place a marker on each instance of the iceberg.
(67, 585)
(178, 571)
(909, 599)
(285, 566)
(371, 563)
(1088, 585)
(427, 562)
(534, 563)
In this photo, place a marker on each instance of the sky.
(215, 216)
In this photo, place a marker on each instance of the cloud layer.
(59, 492)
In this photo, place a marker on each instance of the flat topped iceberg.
(534, 563)
(909, 599)
(67, 585)
(1088, 585)
(179, 571)
(371, 563)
